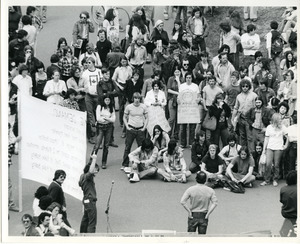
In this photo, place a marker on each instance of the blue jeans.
(198, 221)
(91, 103)
(89, 219)
(273, 157)
(130, 136)
(105, 131)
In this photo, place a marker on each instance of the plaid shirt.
(67, 66)
(37, 23)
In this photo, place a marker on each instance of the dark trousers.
(122, 102)
(183, 134)
(245, 133)
(104, 131)
(199, 41)
(198, 221)
(77, 51)
(89, 219)
(130, 136)
(292, 152)
(91, 103)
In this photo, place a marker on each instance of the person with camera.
(81, 31)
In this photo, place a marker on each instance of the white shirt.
(31, 30)
(24, 84)
(292, 133)
(150, 98)
(105, 113)
(192, 87)
(91, 79)
(52, 86)
(198, 26)
(275, 137)
(247, 39)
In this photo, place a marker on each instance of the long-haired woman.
(106, 116)
(273, 148)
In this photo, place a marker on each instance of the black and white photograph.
(149, 122)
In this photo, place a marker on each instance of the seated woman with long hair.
(57, 225)
(161, 140)
(175, 168)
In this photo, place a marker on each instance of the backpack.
(277, 43)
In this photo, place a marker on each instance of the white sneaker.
(275, 183)
(264, 183)
(127, 170)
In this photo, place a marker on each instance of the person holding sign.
(87, 184)
(190, 87)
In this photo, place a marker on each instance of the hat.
(158, 22)
(90, 46)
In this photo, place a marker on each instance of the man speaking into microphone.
(87, 184)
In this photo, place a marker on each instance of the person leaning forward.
(203, 201)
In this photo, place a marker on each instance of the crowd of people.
(247, 101)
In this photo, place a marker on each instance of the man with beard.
(137, 55)
(259, 118)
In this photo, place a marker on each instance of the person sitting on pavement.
(144, 161)
(212, 165)
(40, 192)
(57, 225)
(230, 151)
(245, 165)
(29, 227)
(161, 140)
(174, 164)
(199, 150)
(43, 223)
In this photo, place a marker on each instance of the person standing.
(135, 120)
(91, 77)
(81, 31)
(250, 42)
(87, 184)
(56, 192)
(288, 198)
(203, 202)
(244, 102)
(197, 27)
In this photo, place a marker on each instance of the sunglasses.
(185, 64)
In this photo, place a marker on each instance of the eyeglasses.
(185, 64)
(62, 177)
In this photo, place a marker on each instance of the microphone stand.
(108, 228)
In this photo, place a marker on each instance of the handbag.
(262, 159)
(209, 122)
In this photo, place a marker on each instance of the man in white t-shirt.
(91, 77)
(188, 85)
(250, 42)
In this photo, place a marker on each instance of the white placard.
(53, 137)
(188, 109)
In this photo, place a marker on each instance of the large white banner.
(53, 137)
(188, 110)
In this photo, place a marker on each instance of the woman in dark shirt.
(222, 112)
